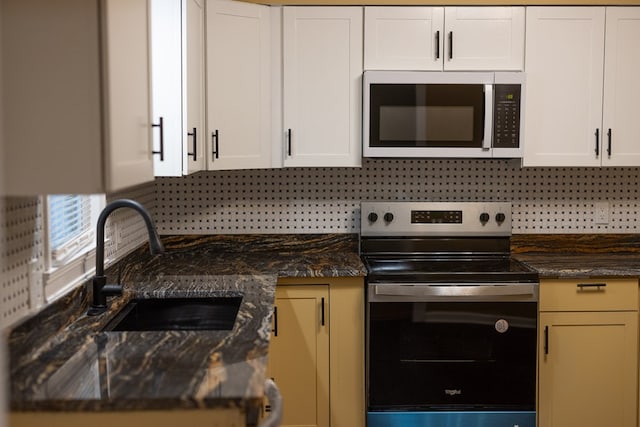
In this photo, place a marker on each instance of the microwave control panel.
(506, 116)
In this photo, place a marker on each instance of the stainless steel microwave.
(443, 114)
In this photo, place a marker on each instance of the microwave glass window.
(426, 115)
(420, 124)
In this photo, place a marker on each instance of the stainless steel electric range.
(451, 317)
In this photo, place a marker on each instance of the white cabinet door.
(449, 38)
(484, 38)
(238, 85)
(127, 100)
(403, 38)
(177, 38)
(564, 66)
(621, 126)
(322, 72)
(193, 133)
(166, 79)
(77, 77)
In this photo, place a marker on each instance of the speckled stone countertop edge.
(579, 255)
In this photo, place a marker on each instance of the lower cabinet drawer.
(588, 295)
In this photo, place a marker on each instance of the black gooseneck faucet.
(101, 290)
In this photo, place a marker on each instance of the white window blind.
(69, 226)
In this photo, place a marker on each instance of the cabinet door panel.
(166, 79)
(588, 377)
(484, 38)
(238, 85)
(299, 355)
(127, 98)
(322, 72)
(403, 38)
(193, 70)
(52, 132)
(622, 87)
(564, 66)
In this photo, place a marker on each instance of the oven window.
(420, 115)
(452, 355)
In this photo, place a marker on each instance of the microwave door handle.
(488, 117)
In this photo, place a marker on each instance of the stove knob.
(484, 218)
(388, 217)
(373, 217)
(500, 217)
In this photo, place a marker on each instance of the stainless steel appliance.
(450, 319)
(442, 114)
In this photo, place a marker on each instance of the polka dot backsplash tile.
(326, 200)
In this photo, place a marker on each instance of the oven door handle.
(422, 291)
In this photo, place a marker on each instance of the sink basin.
(171, 314)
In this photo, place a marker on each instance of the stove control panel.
(435, 218)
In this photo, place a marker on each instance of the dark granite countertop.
(61, 361)
(285, 255)
(79, 368)
(579, 256)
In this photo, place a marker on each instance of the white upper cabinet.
(565, 50)
(403, 38)
(322, 75)
(621, 110)
(444, 38)
(76, 78)
(177, 40)
(582, 109)
(238, 85)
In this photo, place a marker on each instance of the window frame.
(61, 276)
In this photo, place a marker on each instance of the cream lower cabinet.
(222, 417)
(299, 354)
(316, 355)
(588, 353)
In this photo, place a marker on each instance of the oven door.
(464, 354)
(427, 114)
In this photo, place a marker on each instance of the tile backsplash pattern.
(22, 256)
(326, 200)
(22, 253)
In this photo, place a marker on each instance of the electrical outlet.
(602, 213)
